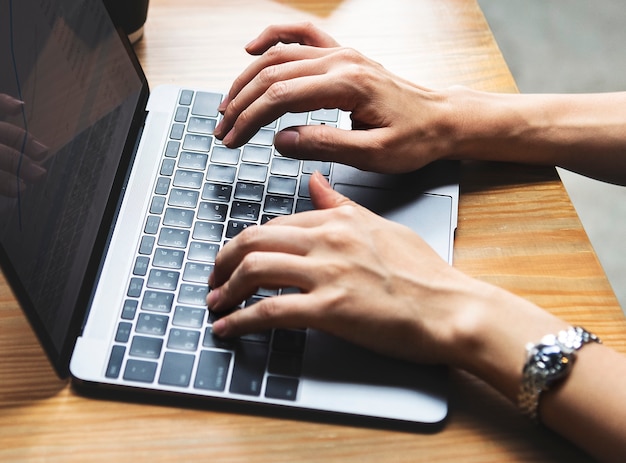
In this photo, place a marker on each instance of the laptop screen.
(68, 98)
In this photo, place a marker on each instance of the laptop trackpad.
(428, 215)
(346, 377)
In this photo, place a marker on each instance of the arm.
(402, 126)
(432, 312)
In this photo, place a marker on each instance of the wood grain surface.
(517, 229)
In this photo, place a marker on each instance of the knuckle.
(278, 92)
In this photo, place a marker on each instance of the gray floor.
(572, 46)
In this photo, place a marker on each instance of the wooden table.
(517, 229)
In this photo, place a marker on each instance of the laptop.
(109, 238)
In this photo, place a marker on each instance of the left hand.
(363, 278)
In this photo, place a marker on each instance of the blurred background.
(574, 46)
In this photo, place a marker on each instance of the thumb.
(322, 195)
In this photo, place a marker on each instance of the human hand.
(398, 126)
(363, 278)
(19, 152)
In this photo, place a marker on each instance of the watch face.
(550, 360)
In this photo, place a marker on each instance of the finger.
(18, 165)
(262, 270)
(18, 139)
(285, 239)
(363, 149)
(264, 72)
(9, 105)
(300, 94)
(304, 33)
(285, 311)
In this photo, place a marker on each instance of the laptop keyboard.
(206, 194)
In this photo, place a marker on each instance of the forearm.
(586, 407)
(583, 133)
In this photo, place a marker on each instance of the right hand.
(398, 126)
(19, 152)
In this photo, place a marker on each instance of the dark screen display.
(68, 94)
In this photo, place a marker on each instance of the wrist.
(492, 335)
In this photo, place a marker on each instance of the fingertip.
(287, 141)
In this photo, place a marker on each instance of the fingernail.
(219, 326)
(213, 297)
(288, 138)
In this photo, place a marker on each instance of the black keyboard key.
(256, 154)
(152, 224)
(157, 205)
(224, 155)
(139, 370)
(249, 191)
(193, 294)
(114, 367)
(289, 341)
(304, 186)
(292, 120)
(278, 205)
(308, 167)
(206, 104)
(173, 238)
(152, 324)
(214, 212)
(281, 388)
(210, 340)
(203, 252)
(123, 332)
(176, 133)
(263, 137)
(327, 115)
(196, 161)
(197, 142)
(183, 198)
(134, 287)
(168, 258)
(157, 301)
(146, 245)
(163, 279)
(197, 272)
(245, 210)
(252, 173)
(171, 150)
(180, 339)
(236, 226)
(222, 174)
(212, 370)
(181, 114)
(202, 125)
(185, 97)
(249, 368)
(146, 347)
(175, 217)
(285, 166)
(188, 179)
(176, 370)
(217, 192)
(282, 186)
(141, 266)
(208, 231)
(303, 205)
(167, 167)
(129, 309)
(189, 317)
(162, 186)
(285, 364)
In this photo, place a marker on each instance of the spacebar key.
(250, 360)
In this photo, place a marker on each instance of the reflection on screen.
(70, 94)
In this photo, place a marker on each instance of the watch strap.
(537, 377)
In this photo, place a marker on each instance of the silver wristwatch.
(548, 362)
